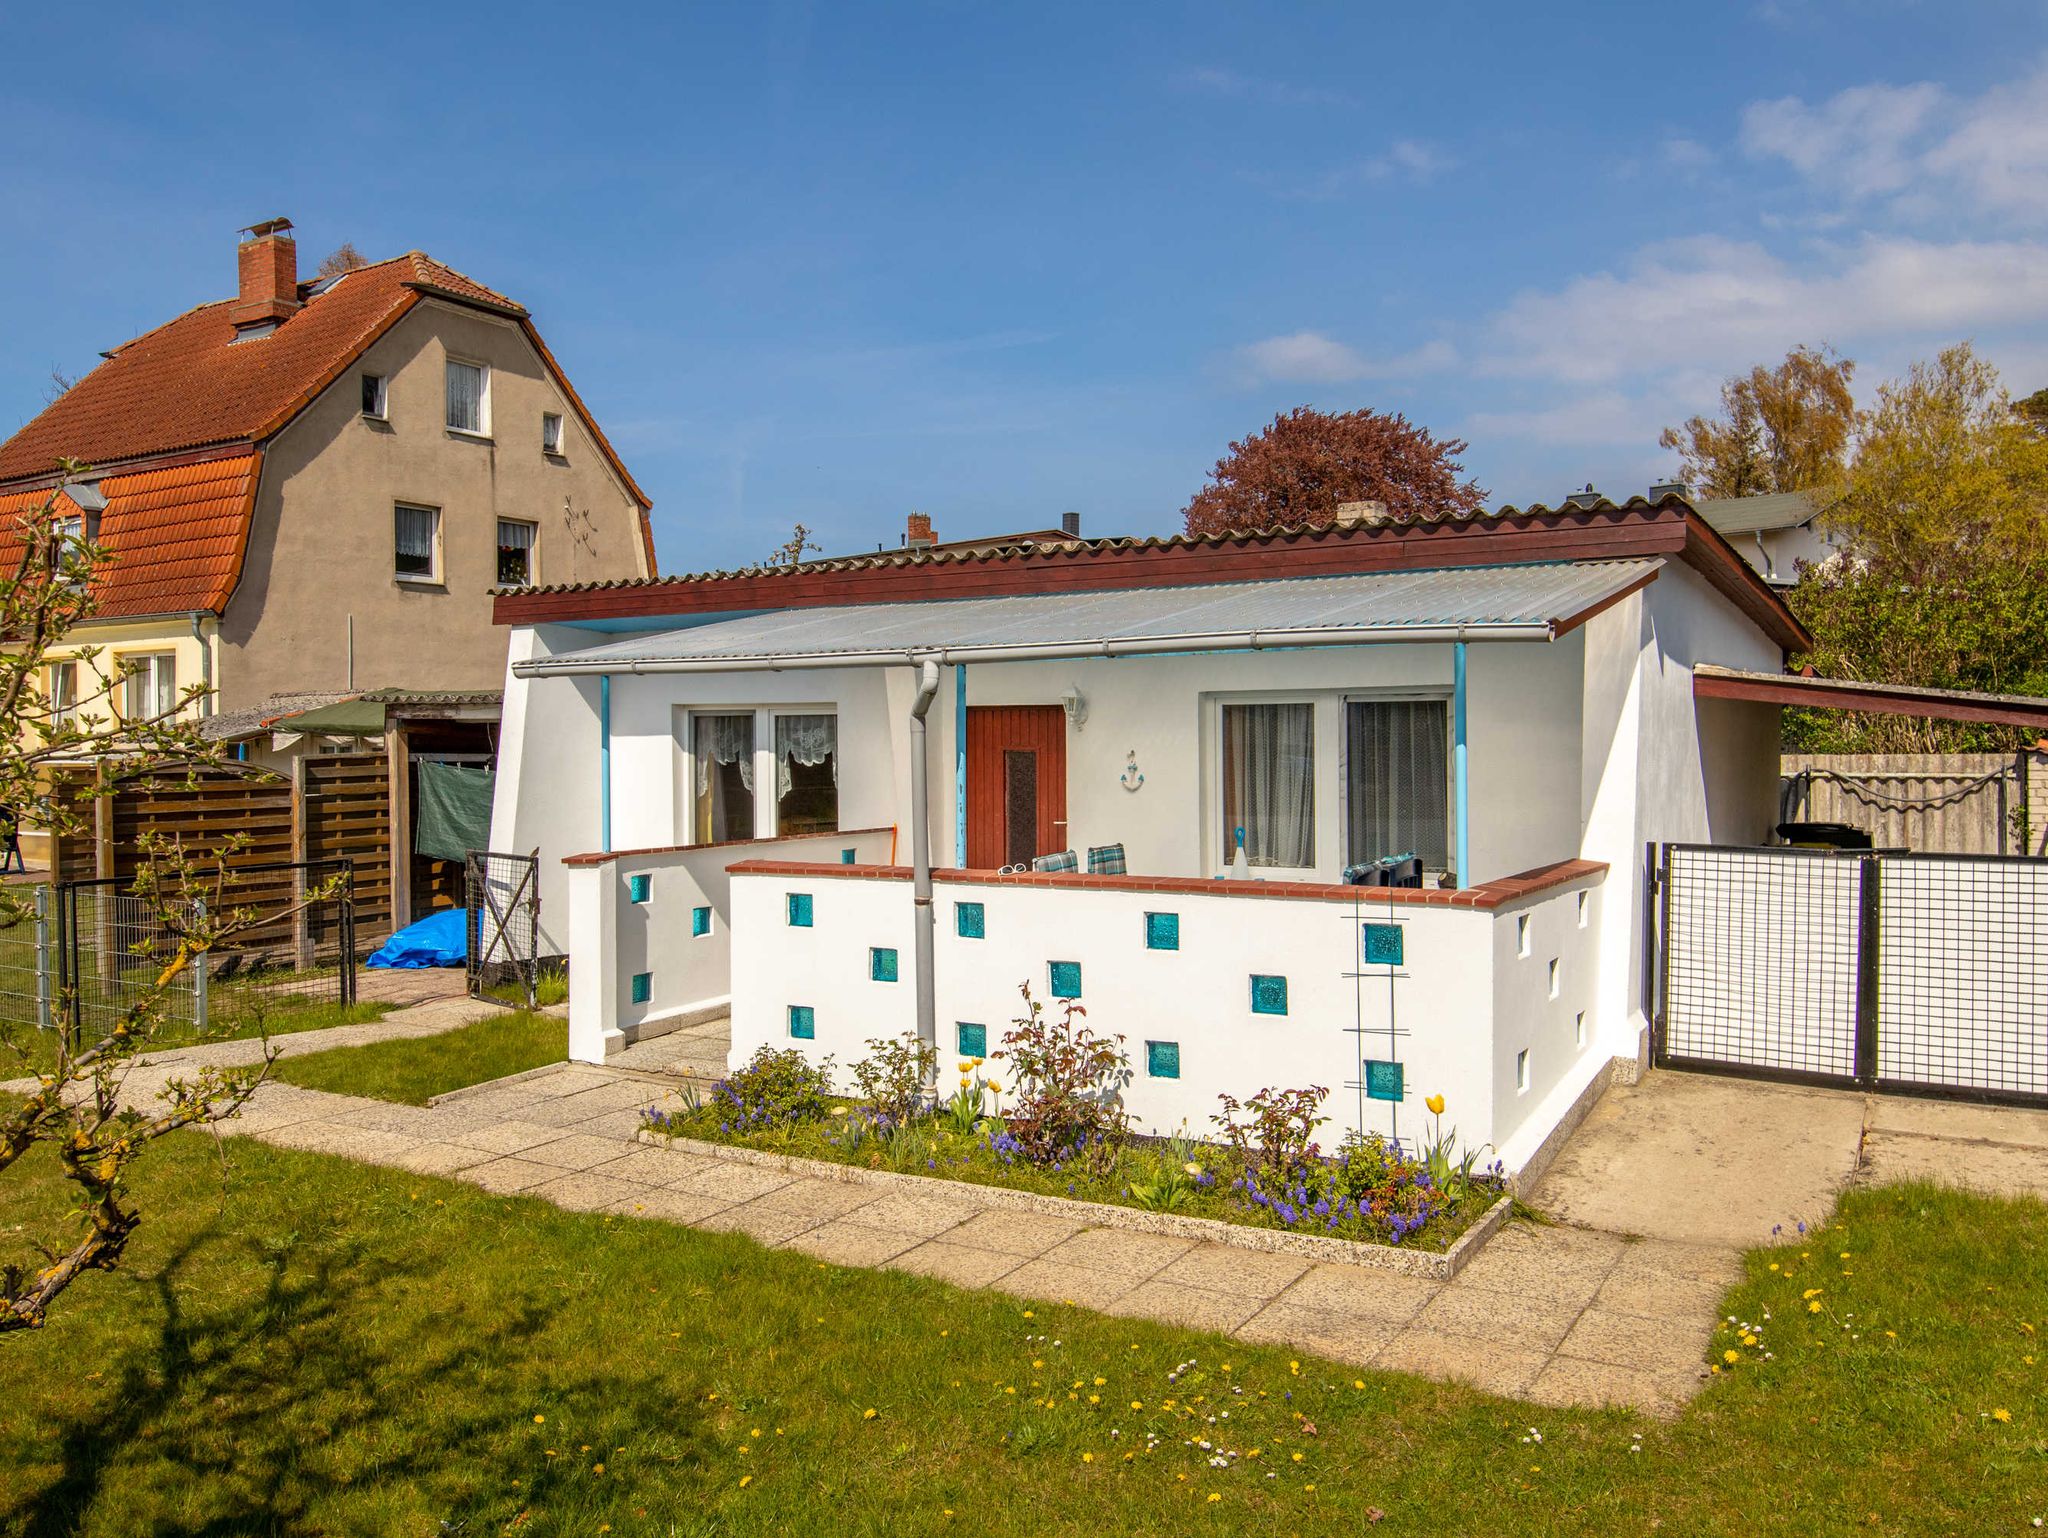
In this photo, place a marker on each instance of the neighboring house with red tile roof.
(315, 486)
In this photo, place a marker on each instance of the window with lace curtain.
(1269, 761)
(1397, 780)
(469, 398)
(762, 773)
(416, 543)
(515, 552)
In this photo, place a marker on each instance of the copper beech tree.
(82, 1106)
(1298, 470)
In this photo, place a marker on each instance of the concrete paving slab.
(1225, 1268)
(441, 1158)
(824, 1199)
(505, 1137)
(578, 1151)
(1017, 1233)
(659, 1166)
(964, 1265)
(1052, 1281)
(731, 1183)
(1631, 1340)
(1361, 1292)
(1355, 1338)
(851, 1244)
(1996, 1169)
(506, 1176)
(1485, 1364)
(1699, 1157)
(1109, 1249)
(583, 1191)
(769, 1225)
(669, 1205)
(1569, 1381)
(1957, 1120)
(918, 1215)
(1192, 1308)
(1532, 1320)
(1566, 1266)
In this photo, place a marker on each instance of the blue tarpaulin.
(438, 940)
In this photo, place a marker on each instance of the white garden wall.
(1461, 1007)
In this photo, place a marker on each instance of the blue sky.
(831, 263)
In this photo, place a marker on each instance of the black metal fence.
(1890, 971)
(502, 896)
(291, 948)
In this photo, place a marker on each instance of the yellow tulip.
(1435, 1104)
(965, 1082)
(994, 1087)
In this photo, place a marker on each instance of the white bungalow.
(799, 795)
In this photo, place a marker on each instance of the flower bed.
(1059, 1132)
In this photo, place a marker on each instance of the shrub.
(774, 1089)
(894, 1080)
(1068, 1087)
(1275, 1139)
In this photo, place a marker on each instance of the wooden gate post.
(104, 939)
(398, 766)
(302, 920)
(1869, 893)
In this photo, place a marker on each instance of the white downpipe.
(922, 936)
(1251, 640)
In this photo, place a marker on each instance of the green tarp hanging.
(454, 810)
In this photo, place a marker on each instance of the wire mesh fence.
(1889, 971)
(28, 959)
(502, 896)
(288, 961)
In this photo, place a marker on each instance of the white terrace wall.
(1457, 1014)
(665, 915)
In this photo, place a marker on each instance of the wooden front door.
(1016, 783)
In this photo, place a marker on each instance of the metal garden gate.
(502, 896)
(1915, 973)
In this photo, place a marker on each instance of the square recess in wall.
(1269, 994)
(799, 907)
(639, 888)
(846, 856)
(643, 987)
(803, 1022)
(1162, 931)
(881, 964)
(1162, 1059)
(1063, 979)
(972, 1040)
(970, 921)
(700, 922)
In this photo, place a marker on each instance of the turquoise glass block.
(1383, 945)
(1269, 995)
(803, 1022)
(846, 856)
(970, 920)
(800, 910)
(882, 964)
(1162, 931)
(1384, 1081)
(700, 921)
(972, 1039)
(643, 987)
(639, 888)
(1162, 1059)
(1063, 979)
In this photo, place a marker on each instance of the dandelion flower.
(1813, 1307)
(1137, 1404)
(1731, 1357)
(540, 1420)
(1358, 1383)
(1214, 1497)
(868, 1415)
(2002, 1416)
(597, 1468)
(745, 1480)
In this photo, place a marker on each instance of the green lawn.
(324, 1347)
(237, 1018)
(415, 1070)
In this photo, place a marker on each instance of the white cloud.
(1412, 160)
(1681, 154)
(1917, 145)
(1309, 357)
(1722, 304)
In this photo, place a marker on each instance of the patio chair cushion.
(1106, 860)
(1066, 859)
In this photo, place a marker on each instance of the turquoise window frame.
(883, 964)
(798, 909)
(971, 1039)
(1162, 1059)
(700, 922)
(1162, 931)
(1063, 979)
(970, 921)
(803, 1022)
(639, 888)
(643, 987)
(1269, 994)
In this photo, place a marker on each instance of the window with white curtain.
(1269, 761)
(722, 797)
(468, 397)
(63, 693)
(151, 687)
(550, 433)
(515, 552)
(806, 774)
(416, 543)
(1396, 780)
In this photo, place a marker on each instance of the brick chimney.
(917, 533)
(268, 261)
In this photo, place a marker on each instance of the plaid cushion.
(1106, 860)
(1066, 859)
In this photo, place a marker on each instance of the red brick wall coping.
(1488, 895)
(605, 857)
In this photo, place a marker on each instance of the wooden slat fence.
(327, 808)
(1936, 803)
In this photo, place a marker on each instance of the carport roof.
(1719, 683)
(1527, 602)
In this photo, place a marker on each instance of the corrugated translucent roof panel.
(1377, 605)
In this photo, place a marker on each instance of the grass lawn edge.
(1431, 1264)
